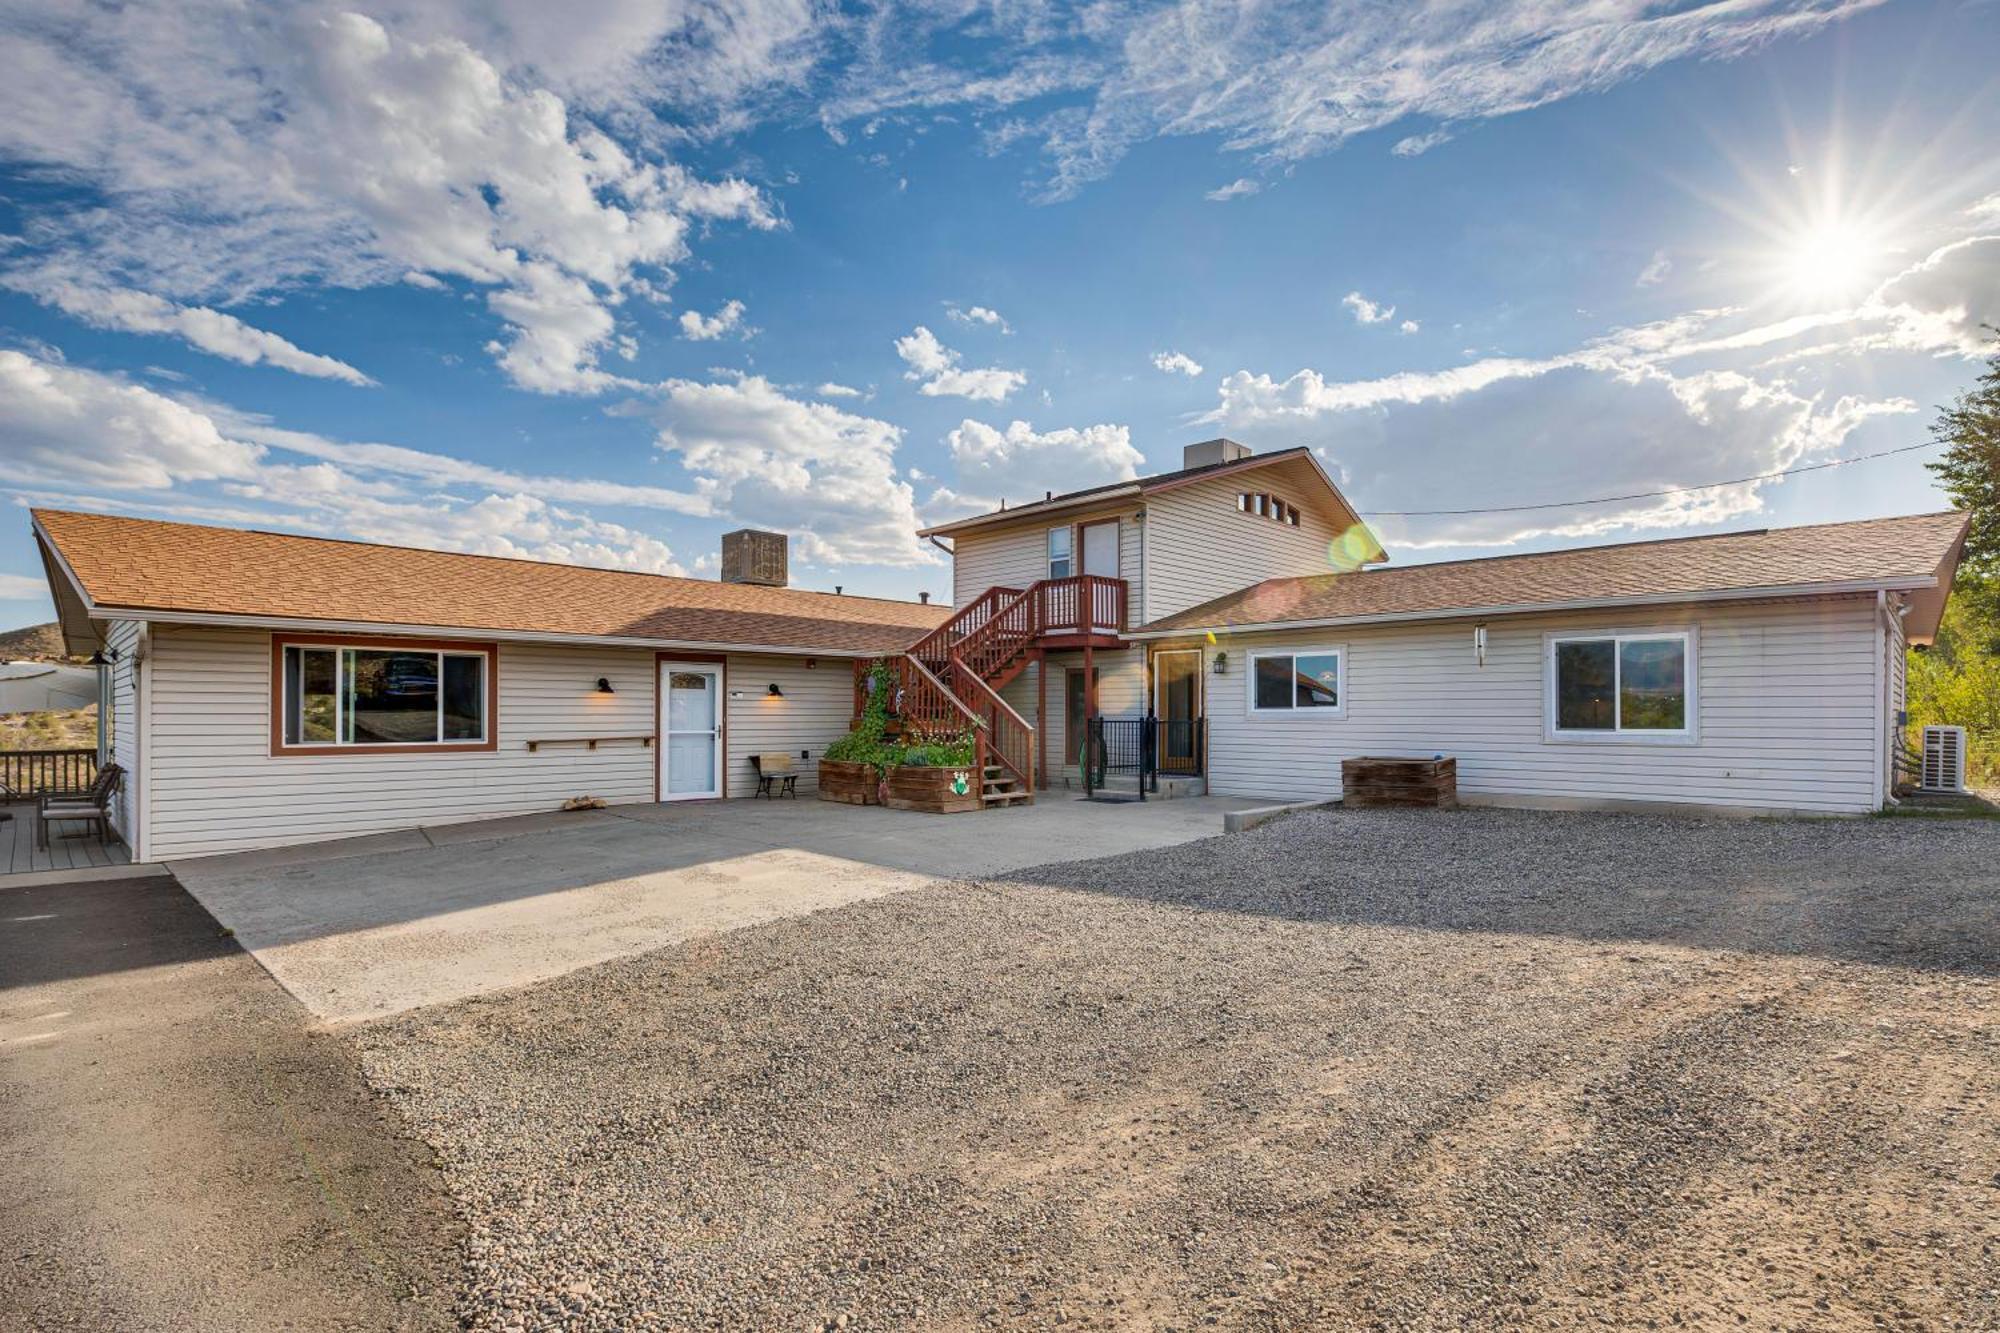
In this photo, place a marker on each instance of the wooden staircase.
(952, 677)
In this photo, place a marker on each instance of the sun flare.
(1831, 260)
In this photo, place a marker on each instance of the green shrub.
(869, 743)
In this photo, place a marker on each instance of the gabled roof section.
(133, 568)
(1918, 553)
(1139, 487)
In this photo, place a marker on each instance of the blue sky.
(599, 286)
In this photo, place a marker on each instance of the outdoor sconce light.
(104, 657)
(774, 692)
(604, 686)
(1221, 665)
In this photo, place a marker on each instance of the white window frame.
(1049, 552)
(1338, 651)
(340, 649)
(1690, 734)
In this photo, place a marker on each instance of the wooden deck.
(71, 846)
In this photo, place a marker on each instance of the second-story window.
(1062, 554)
(1268, 506)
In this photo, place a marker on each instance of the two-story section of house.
(1240, 608)
(1133, 553)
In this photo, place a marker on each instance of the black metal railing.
(37, 772)
(1117, 746)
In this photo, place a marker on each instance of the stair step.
(1005, 797)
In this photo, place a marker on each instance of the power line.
(1644, 495)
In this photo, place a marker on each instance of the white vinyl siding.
(817, 709)
(215, 786)
(1199, 545)
(124, 637)
(1785, 700)
(1121, 693)
(1015, 557)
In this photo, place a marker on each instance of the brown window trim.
(279, 642)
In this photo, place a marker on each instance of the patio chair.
(92, 805)
(775, 770)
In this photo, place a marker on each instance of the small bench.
(775, 771)
(92, 805)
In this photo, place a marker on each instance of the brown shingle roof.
(139, 565)
(1918, 548)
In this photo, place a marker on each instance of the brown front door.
(1177, 705)
(1073, 716)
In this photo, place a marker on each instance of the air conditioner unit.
(1944, 759)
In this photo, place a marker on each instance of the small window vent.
(1944, 759)
(1268, 506)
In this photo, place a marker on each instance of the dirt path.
(182, 1152)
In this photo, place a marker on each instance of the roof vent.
(750, 556)
(1210, 452)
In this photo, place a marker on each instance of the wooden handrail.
(33, 772)
(1009, 740)
(926, 703)
(936, 646)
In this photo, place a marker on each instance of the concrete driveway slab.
(368, 927)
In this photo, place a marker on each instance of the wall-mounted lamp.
(604, 686)
(774, 692)
(1221, 664)
(104, 657)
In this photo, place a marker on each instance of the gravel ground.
(1400, 1070)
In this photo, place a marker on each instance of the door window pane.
(1585, 685)
(690, 701)
(1316, 680)
(1274, 682)
(463, 702)
(1652, 685)
(310, 690)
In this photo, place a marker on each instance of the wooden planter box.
(850, 784)
(1375, 780)
(930, 790)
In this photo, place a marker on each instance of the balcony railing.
(39, 772)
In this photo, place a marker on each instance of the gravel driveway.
(1352, 1070)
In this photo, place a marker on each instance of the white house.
(270, 688)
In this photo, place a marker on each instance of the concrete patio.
(366, 927)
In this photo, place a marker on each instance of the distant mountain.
(33, 643)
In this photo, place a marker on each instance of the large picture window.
(1638, 685)
(339, 696)
(1299, 682)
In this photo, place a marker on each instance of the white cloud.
(832, 390)
(1176, 363)
(395, 155)
(1282, 81)
(697, 327)
(938, 373)
(1021, 463)
(22, 587)
(64, 428)
(1365, 310)
(1408, 326)
(826, 475)
(1416, 145)
(1236, 189)
(978, 314)
(211, 330)
(1681, 401)
(1656, 270)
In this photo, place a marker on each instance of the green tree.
(1970, 468)
(1957, 681)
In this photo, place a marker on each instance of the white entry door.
(691, 730)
